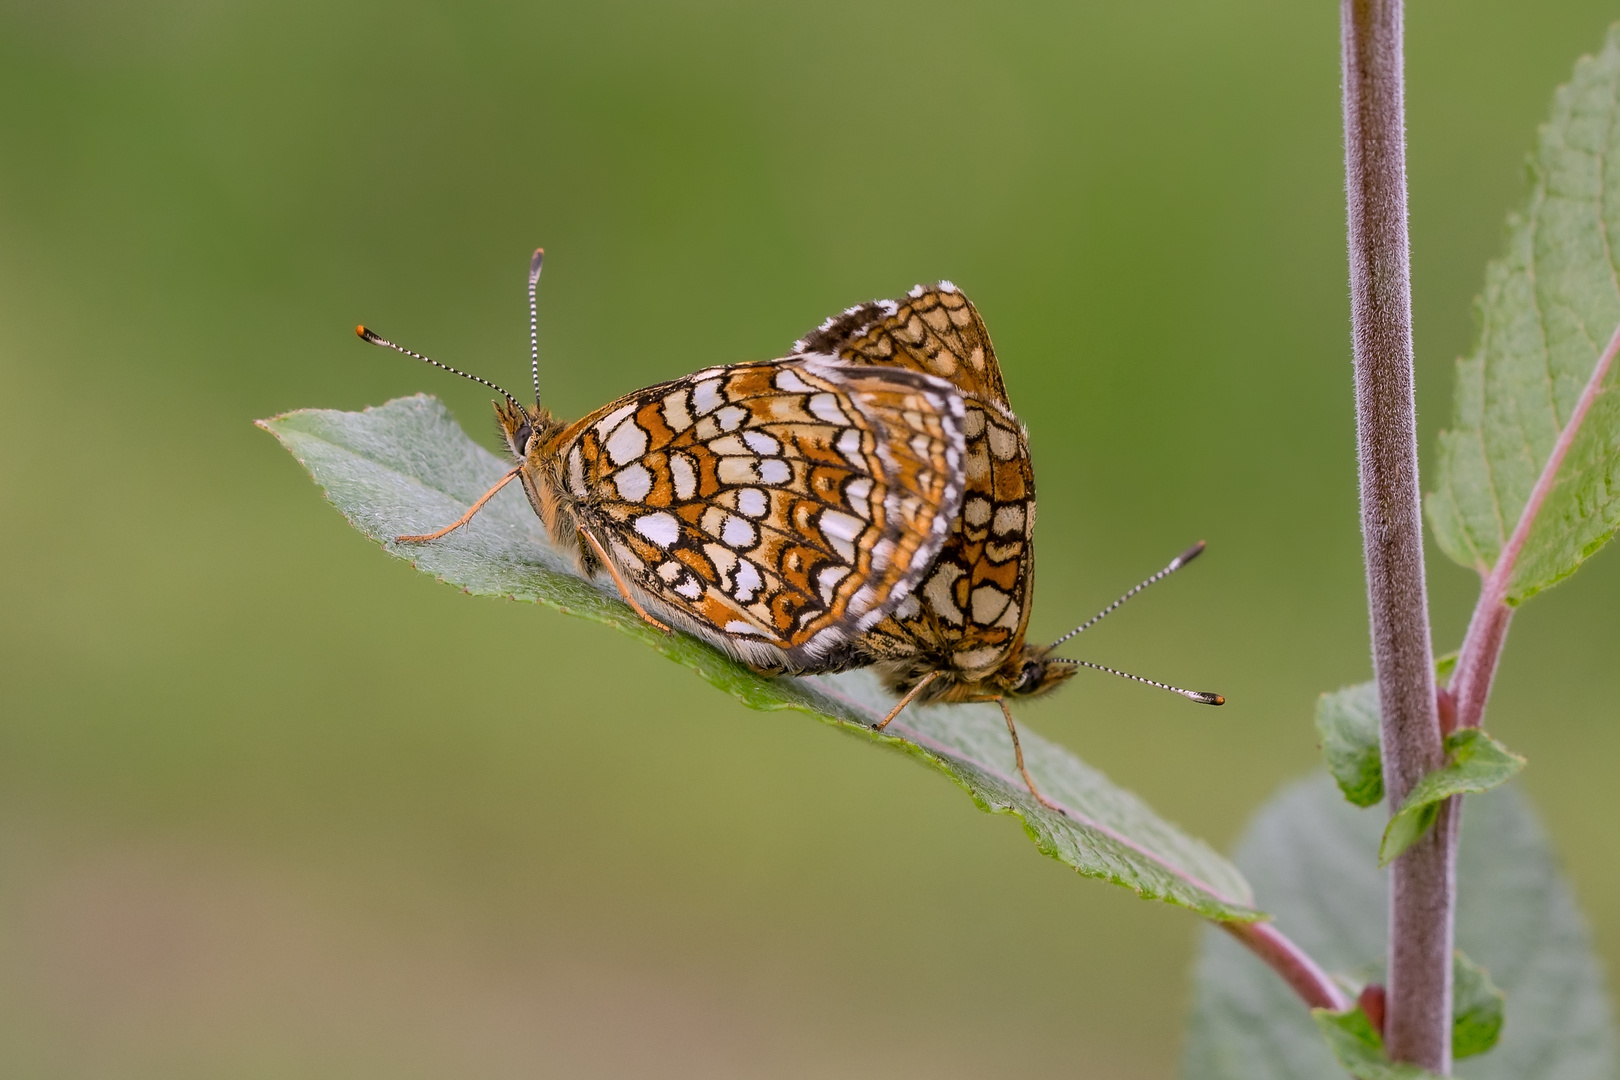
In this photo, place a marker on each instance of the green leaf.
(1476, 1023)
(1311, 857)
(1549, 307)
(407, 467)
(1477, 1005)
(1347, 725)
(1360, 1049)
(1475, 762)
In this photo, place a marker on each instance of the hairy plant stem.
(1422, 881)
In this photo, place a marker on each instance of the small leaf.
(1475, 763)
(1347, 725)
(1549, 307)
(1477, 1005)
(1311, 858)
(407, 467)
(1360, 1049)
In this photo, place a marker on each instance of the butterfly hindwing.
(971, 610)
(778, 508)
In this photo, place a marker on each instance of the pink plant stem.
(1422, 881)
(1297, 969)
(1487, 629)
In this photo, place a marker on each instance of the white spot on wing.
(661, 528)
(748, 581)
(938, 593)
(752, 501)
(676, 414)
(839, 525)
(627, 443)
(828, 581)
(611, 420)
(761, 443)
(775, 471)
(1003, 443)
(684, 475)
(789, 382)
(731, 417)
(824, 406)
(737, 470)
(1009, 519)
(633, 483)
(988, 602)
(856, 493)
(738, 533)
(576, 472)
(706, 397)
(849, 444)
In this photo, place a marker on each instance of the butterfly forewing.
(776, 508)
(972, 608)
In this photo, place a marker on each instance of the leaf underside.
(1359, 1048)
(1550, 305)
(406, 467)
(1347, 727)
(1478, 1007)
(1475, 763)
(1477, 1012)
(1313, 857)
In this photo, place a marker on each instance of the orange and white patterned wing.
(973, 608)
(776, 509)
(934, 328)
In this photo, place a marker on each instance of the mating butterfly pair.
(866, 500)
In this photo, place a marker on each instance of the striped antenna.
(1191, 695)
(1175, 564)
(367, 335)
(534, 322)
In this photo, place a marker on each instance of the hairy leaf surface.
(1313, 861)
(1347, 726)
(1475, 763)
(1550, 305)
(407, 467)
(1360, 1049)
(1478, 1007)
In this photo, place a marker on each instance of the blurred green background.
(272, 804)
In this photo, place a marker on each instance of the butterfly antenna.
(367, 335)
(1199, 696)
(534, 321)
(1175, 564)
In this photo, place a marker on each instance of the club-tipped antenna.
(1175, 564)
(1200, 696)
(534, 321)
(375, 339)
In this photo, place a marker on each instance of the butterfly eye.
(520, 440)
(1029, 678)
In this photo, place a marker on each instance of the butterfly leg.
(618, 579)
(468, 516)
(1018, 752)
(911, 696)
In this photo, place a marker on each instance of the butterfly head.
(524, 429)
(1034, 672)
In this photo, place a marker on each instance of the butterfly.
(960, 635)
(777, 509)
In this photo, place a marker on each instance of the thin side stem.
(1418, 1024)
(1487, 629)
(1287, 959)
